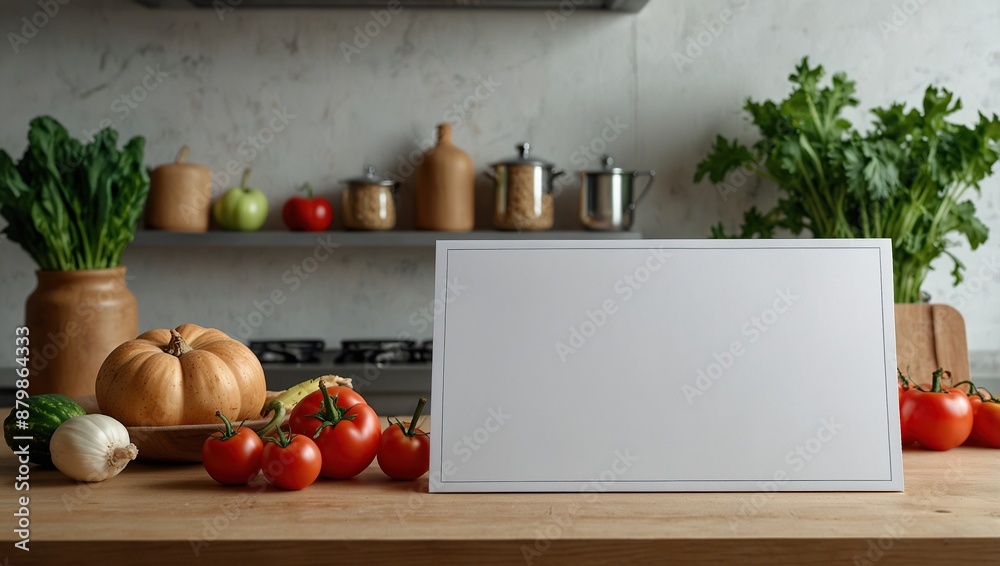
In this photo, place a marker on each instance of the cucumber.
(45, 414)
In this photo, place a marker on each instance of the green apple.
(241, 208)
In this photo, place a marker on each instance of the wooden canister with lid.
(180, 196)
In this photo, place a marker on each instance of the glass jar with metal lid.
(369, 202)
(524, 199)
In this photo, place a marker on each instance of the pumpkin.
(182, 376)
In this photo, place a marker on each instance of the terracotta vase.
(75, 319)
(445, 187)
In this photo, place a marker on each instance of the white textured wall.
(555, 87)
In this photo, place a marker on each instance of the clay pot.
(75, 319)
(445, 187)
(180, 196)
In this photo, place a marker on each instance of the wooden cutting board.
(929, 337)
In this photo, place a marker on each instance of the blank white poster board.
(664, 365)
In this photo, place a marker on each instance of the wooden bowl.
(179, 443)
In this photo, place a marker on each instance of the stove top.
(377, 351)
(304, 351)
(383, 352)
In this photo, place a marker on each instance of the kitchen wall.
(313, 95)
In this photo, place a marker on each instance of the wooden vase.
(75, 319)
(445, 187)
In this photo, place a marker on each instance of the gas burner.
(304, 351)
(382, 352)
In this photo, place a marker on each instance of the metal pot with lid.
(369, 201)
(524, 199)
(608, 198)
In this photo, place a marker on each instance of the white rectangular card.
(664, 365)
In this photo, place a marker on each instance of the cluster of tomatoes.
(333, 433)
(941, 418)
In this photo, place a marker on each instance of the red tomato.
(986, 423)
(344, 427)
(404, 452)
(291, 462)
(232, 457)
(903, 387)
(985, 417)
(303, 421)
(936, 418)
(307, 214)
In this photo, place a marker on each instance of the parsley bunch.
(904, 179)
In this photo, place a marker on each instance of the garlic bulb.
(91, 448)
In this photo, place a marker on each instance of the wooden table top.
(156, 514)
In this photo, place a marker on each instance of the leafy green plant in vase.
(73, 207)
(904, 179)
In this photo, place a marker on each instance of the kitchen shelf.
(600, 5)
(389, 239)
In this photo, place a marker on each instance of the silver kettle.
(608, 198)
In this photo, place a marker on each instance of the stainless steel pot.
(608, 198)
(524, 199)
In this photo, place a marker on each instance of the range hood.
(607, 5)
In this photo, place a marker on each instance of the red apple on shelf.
(309, 214)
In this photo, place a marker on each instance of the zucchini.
(45, 414)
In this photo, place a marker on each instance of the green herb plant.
(72, 205)
(904, 179)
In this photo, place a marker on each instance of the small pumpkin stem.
(177, 346)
